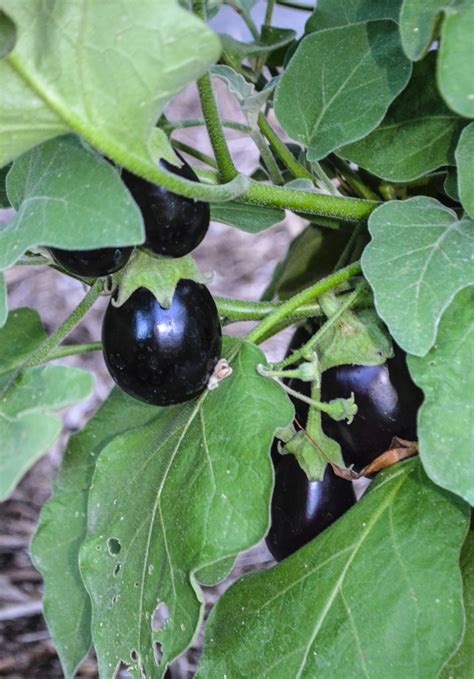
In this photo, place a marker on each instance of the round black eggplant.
(302, 509)
(91, 263)
(387, 400)
(163, 356)
(174, 225)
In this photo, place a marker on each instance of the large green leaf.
(376, 595)
(19, 337)
(465, 163)
(446, 375)
(27, 425)
(250, 218)
(312, 255)
(419, 257)
(418, 134)
(67, 197)
(455, 58)
(418, 19)
(102, 72)
(324, 82)
(333, 13)
(461, 665)
(62, 527)
(180, 494)
(3, 300)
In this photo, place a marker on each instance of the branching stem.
(304, 297)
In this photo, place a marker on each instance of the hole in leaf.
(158, 651)
(117, 568)
(134, 655)
(160, 616)
(114, 546)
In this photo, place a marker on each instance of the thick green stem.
(306, 348)
(282, 151)
(71, 350)
(305, 203)
(304, 297)
(242, 310)
(347, 209)
(216, 134)
(211, 114)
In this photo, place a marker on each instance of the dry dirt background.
(242, 265)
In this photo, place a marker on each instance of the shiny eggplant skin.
(387, 401)
(174, 225)
(386, 397)
(91, 263)
(302, 509)
(163, 356)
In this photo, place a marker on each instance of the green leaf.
(312, 459)
(19, 337)
(27, 428)
(250, 100)
(311, 256)
(451, 184)
(378, 594)
(249, 218)
(455, 79)
(334, 13)
(67, 197)
(465, 163)
(323, 83)
(446, 375)
(461, 665)
(159, 275)
(62, 527)
(357, 338)
(419, 257)
(272, 38)
(418, 20)
(418, 134)
(7, 34)
(180, 494)
(71, 79)
(4, 202)
(3, 301)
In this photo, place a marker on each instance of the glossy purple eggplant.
(302, 509)
(91, 263)
(163, 356)
(174, 225)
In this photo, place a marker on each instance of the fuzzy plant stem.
(304, 297)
